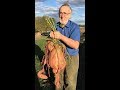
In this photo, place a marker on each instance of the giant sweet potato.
(55, 59)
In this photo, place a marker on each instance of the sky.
(51, 8)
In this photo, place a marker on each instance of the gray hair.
(66, 4)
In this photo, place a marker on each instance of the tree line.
(41, 24)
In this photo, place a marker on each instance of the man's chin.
(62, 22)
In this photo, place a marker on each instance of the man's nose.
(62, 15)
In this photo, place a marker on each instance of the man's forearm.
(70, 42)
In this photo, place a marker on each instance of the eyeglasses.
(64, 13)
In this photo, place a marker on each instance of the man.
(69, 33)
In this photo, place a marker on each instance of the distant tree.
(41, 24)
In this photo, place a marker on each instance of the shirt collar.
(68, 23)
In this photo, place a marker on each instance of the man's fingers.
(55, 34)
(52, 35)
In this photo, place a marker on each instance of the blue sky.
(51, 7)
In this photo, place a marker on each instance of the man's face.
(64, 14)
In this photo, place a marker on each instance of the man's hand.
(55, 34)
(70, 42)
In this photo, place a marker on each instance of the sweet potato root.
(55, 59)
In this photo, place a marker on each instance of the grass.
(39, 52)
(41, 43)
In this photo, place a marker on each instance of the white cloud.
(72, 2)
